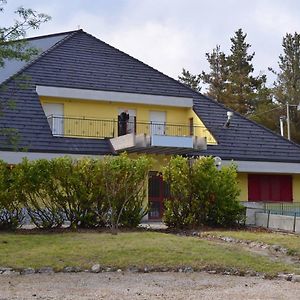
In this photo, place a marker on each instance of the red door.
(156, 195)
(270, 188)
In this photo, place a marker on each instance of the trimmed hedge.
(86, 193)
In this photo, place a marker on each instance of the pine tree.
(190, 80)
(231, 79)
(217, 77)
(242, 88)
(287, 85)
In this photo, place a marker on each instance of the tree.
(13, 46)
(12, 43)
(242, 87)
(231, 79)
(217, 77)
(287, 85)
(190, 80)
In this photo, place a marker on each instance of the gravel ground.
(144, 286)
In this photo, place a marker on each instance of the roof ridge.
(249, 120)
(42, 54)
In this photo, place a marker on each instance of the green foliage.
(217, 77)
(231, 79)
(86, 193)
(11, 213)
(10, 48)
(190, 80)
(13, 46)
(201, 194)
(73, 188)
(287, 85)
(33, 181)
(124, 183)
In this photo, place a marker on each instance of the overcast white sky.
(171, 34)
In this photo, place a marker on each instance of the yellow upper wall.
(106, 110)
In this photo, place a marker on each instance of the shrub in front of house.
(11, 210)
(33, 181)
(201, 194)
(84, 193)
(124, 182)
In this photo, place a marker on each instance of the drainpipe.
(288, 121)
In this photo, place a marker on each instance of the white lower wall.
(277, 221)
(252, 209)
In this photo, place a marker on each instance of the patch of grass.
(128, 249)
(288, 241)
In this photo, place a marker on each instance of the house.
(82, 97)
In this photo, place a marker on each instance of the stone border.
(97, 268)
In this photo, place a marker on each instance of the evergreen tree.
(231, 79)
(242, 88)
(287, 85)
(190, 80)
(217, 77)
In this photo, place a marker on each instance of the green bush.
(86, 192)
(124, 182)
(200, 194)
(11, 212)
(72, 187)
(33, 179)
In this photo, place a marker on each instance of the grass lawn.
(288, 241)
(127, 249)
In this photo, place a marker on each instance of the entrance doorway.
(158, 190)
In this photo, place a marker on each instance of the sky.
(172, 34)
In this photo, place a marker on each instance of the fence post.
(294, 226)
(268, 221)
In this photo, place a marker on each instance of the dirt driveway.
(144, 286)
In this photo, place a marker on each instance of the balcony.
(131, 135)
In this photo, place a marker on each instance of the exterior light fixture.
(218, 161)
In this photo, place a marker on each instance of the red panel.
(275, 187)
(270, 188)
(265, 187)
(253, 188)
(286, 188)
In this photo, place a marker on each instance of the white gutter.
(265, 167)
